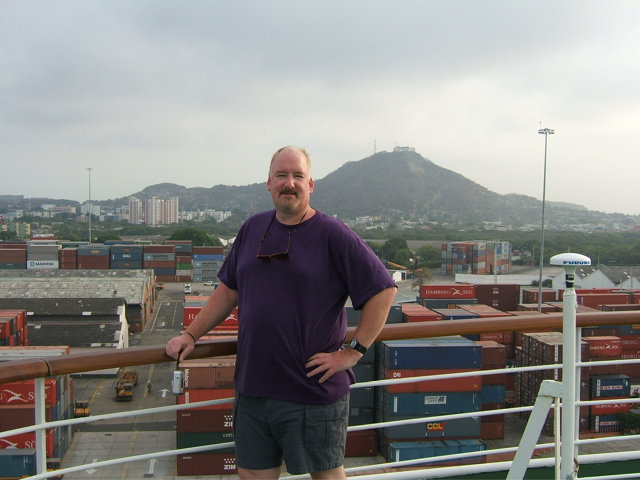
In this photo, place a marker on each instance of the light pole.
(546, 132)
(90, 169)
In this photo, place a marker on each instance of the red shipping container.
(195, 421)
(157, 264)
(361, 443)
(502, 297)
(611, 409)
(604, 346)
(206, 464)
(7, 327)
(494, 407)
(494, 355)
(23, 393)
(463, 384)
(448, 291)
(492, 430)
(19, 416)
(499, 337)
(209, 373)
(593, 300)
(630, 342)
(28, 440)
(530, 295)
(192, 396)
(484, 311)
(413, 312)
(19, 315)
(625, 307)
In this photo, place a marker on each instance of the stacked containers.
(127, 257)
(206, 263)
(606, 418)
(363, 443)
(479, 258)
(458, 314)
(494, 357)
(13, 256)
(361, 409)
(13, 328)
(485, 311)
(475, 257)
(184, 257)
(409, 358)
(162, 259)
(68, 258)
(42, 257)
(502, 256)
(206, 379)
(630, 350)
(17, 409)
(93, 257)
(545, 348)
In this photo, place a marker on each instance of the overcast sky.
(201, 93)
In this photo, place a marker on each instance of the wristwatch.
(357, 346)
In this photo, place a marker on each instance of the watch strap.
(357, 346)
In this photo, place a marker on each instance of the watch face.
(353, 343)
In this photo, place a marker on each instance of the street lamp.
(90, 169)
(546, 132)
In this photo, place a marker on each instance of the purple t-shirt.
(292, 308)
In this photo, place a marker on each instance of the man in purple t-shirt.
(290, 272)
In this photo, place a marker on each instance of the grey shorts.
(310, 438)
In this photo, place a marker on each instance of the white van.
(187, 288)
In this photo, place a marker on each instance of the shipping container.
(462, 384)
(451, 352)
(206, 464)
(432, 403)
(610, 386)
(447, 291)
(441, 429)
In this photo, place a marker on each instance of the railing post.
(568, 453)
(40, 418)
(570, 349)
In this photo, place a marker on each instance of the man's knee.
(268, 474)
(333, 474)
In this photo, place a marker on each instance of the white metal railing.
(41, 425)
(441, 472)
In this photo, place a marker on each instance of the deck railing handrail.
(27, 369)
(39, 368)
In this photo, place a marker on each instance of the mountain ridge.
(401, 184)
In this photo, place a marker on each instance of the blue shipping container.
(432, 403)
(207, 257)
(431, 354)
(17, 462)
(493, 394)
(610, 386)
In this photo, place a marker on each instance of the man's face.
(290, 182)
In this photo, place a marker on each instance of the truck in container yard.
(81, 409)
(124, 385)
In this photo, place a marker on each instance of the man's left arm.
(372, 319)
